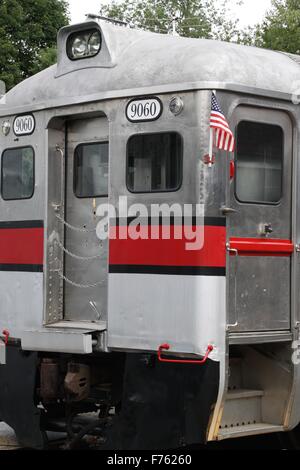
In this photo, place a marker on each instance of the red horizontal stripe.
(217, 114)
(171, 252)
(219, 122)
(219, 126)
(262, 246)
(23, 246)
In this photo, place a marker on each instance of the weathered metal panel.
(81, 303)
(21, 297)
(258, 298)
(186, 312)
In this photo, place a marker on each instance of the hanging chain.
(72, 227)
(81, 258)
(75, 284)
(60, 274)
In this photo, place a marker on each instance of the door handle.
(228, 210)
(62, 176)
(232, 251)
(167, 347)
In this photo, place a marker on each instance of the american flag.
(224, 138)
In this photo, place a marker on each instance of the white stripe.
(219, 121)
(216, 113)
(219, 126)
(224, 133)
(218, 116)
(226, 146)
(230, 146)
(161, 319)
(217, 137)
(222, 140)
(221, 118)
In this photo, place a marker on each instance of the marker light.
(176, 105)
(84, 45)
(6, 126)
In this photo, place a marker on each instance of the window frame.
(2, 176)
(178, 188)
(260, 203)
(86, 144)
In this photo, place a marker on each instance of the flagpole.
(211, 142)
(211, 147)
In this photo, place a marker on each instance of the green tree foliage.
(28, 31)
(194, 18)
(281, 28)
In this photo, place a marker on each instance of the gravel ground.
(7, 438)
(8, 442)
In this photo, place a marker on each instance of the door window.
(259, 163)
(91, 170)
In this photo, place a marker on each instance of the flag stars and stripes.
(223, 136)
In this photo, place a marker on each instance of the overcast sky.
(250, 13)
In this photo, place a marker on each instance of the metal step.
(242, 408)
(58, 340)
(248, 430)
(80, 325)
(238, 394)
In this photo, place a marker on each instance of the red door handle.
(167, 347)
(6, 335)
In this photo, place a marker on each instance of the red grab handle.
(232, 169)
(6, 335)
(167, 347)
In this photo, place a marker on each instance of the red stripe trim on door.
(21, 247)
(261, 247)
(170, 252)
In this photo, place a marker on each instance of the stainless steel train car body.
(252, 309)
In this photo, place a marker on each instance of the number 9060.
(144, 110)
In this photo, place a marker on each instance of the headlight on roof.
(94, 43)
(84, 44)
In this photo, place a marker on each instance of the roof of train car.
(143, 60)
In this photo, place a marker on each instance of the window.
(154, 162)
(259, 163)
(91, 170)
(17, 173)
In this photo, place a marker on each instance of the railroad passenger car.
(137, 339)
